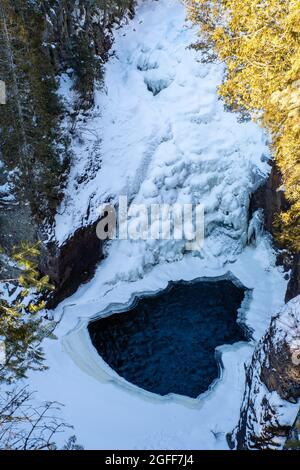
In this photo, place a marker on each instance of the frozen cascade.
(166, 138)
(163, 135)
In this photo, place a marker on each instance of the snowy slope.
(177, 145)
(162, 136)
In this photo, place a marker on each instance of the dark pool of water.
(166, 343)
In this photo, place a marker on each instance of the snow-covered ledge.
(272, 384)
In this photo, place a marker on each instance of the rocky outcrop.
(293, 288)
(64, 23)
(78, 35)
(67, 19)
(270, 197)
(293, 441)
(272, 390)
(71, 264)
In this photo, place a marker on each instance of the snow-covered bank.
(165, 138)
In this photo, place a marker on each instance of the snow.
(174, 143)
(177, 137)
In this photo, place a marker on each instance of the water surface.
(166, 343)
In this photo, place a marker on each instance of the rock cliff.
(272, 385)
(270, 197)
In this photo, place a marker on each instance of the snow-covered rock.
(272, 384)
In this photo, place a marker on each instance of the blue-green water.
(166, 343)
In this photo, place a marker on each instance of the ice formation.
(159, 133)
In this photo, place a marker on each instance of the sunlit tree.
(22, 328)
(259, 40)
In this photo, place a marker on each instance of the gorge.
(158, 347)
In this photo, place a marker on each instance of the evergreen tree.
(260, 44)
(25, 424)
(21, 326)
(30, 135)
(37, 48)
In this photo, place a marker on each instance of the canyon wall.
(64, 36)
(270, 197)
(272, 385)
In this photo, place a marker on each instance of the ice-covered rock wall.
(272, 384)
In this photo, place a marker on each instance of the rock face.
(73, 263)
(65, 20)
(293, 288)
(78, 35)
(293, 441)
(272, 385)
(270, 197)
(79, 30)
